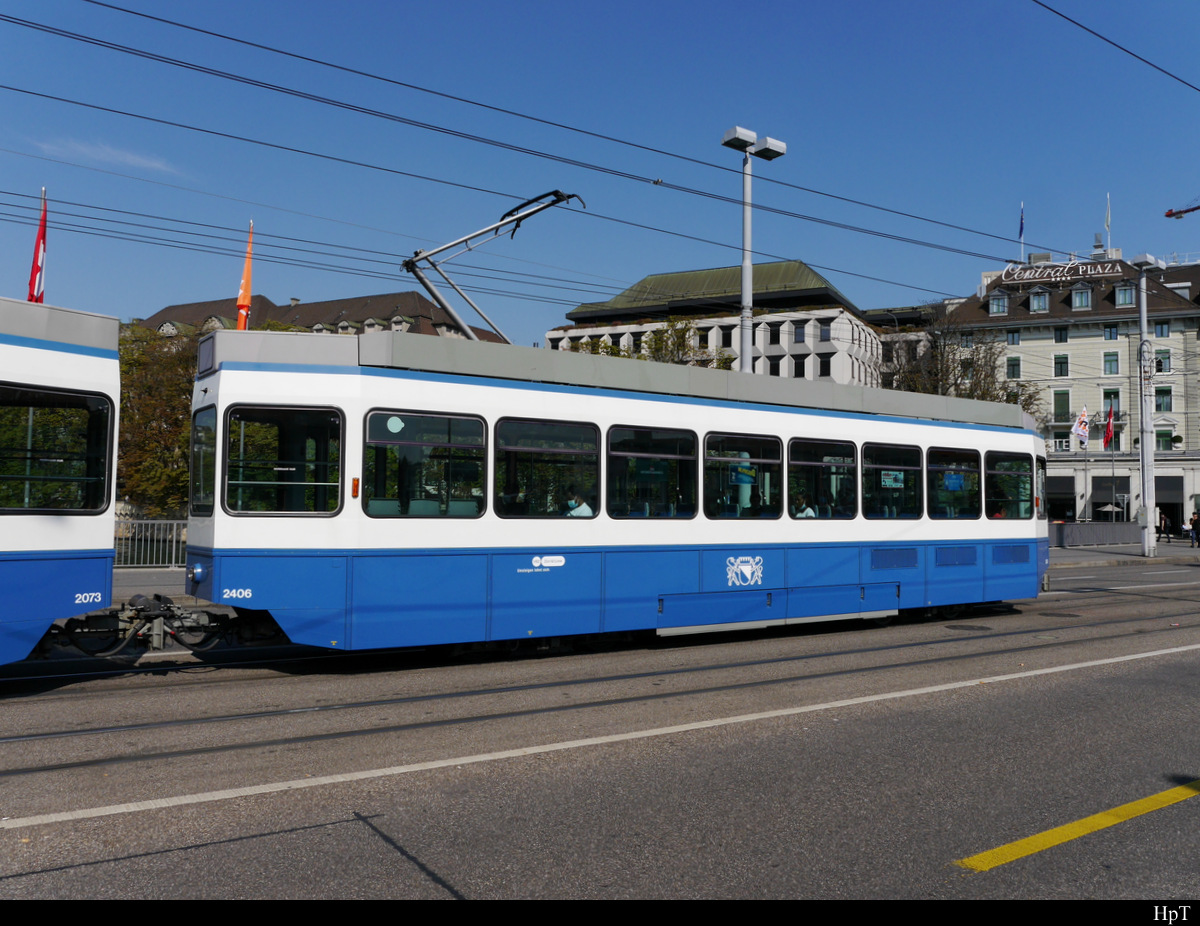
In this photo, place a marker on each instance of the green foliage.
(957, 360)
(156, 398)
(674, 342)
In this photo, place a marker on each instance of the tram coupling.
(144, 623)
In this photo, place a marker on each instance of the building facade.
(803, 327)
(1072, 329)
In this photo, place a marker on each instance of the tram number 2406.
(230, 593)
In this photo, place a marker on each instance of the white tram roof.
(459, 357)
(50, 323)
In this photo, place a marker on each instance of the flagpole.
(1022, 231)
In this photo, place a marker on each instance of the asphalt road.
(829, 762)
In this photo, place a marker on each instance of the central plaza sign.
(1063, 273)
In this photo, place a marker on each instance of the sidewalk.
(1124, 554)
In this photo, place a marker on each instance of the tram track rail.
(575, 684)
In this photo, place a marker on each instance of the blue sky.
(954, 111)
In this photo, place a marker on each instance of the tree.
(676, 341)
(156, 397)
(958, 360)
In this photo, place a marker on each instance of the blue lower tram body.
(40, 587)
(391, 598)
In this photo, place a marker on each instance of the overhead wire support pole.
(513, 217)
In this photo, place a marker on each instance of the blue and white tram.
(391, 490)
(59, 401)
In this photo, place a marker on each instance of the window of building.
(1014, 338)
(1162, 399)
(888, 353)
(423, 466)
(1162, 361)
(773, 334)
(1124, 294)
(889, 380)
(798, 332)
(1062, 405)
(1061, 335)
(826, 331)
(651, 473)
(1081, 297)
(727, 337)
(1014, 368)
(826, 365)
(799, 366)
(1162, 329)
(967, 369)
(541, 465)
(773, 366)
(1110, 332)
(741, 476)
(1112, 363)
(966, 339)
(998, 303)
(1062, 366)
(1112, 400)
(1162, 440)
(1039, 301)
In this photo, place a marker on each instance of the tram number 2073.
(88, 597)
(231, 593)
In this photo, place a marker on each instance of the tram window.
(204, 458)
(546, 469)
(1008, 485)
(891, 481)
(953, 479)
(423, 466)
(284, 460)
(822, 479)
(742, 476)
(651, 473)
(54, 450)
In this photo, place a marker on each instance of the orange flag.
(243, 300)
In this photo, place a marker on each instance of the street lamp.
(768, 149)
(1144, 262)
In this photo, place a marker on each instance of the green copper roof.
(720, 286)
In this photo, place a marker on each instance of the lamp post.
(768, 149)
(1146, 441)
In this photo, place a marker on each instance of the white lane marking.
(1164, 572)
(206, 797)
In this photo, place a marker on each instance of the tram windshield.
(54, 450)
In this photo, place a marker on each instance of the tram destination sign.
(1063, 273)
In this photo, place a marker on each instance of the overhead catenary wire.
(601, 136)
(512, 196)
(521, 149)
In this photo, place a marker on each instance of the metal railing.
(150, 543)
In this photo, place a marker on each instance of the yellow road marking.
(1002, 855)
